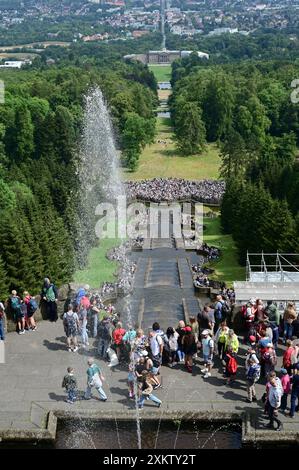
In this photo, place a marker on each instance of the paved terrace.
(31, 395)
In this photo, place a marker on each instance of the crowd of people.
(210, 335)
(126, 273)
(210, 253)
(23, 307)
(174, 189)
(207, 338)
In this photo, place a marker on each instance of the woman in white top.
(172, 336)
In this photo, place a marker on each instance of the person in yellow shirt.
(231, 341)
(220, 338)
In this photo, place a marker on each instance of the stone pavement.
(36, 363)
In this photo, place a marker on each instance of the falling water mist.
(99, 182)
(98, 169)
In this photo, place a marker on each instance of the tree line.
(40, 128)
(247, 109)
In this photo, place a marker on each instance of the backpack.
(232, 365)
(70, 321)
(225, 308)
(32, 306)
(166, 346)
(15, 304)
(257, 372)
(287, 357)
(23, 309)
(104, 331)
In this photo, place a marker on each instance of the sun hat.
(205, 332)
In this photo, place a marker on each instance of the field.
(99, 268)
(35, 45)
(18, 55)
(160, 160)
(161, 72)
(228, 268)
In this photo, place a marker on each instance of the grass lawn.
(228, 268)
(99, 268)
(161, 72)
(158, 160)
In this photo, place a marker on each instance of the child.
(286, 387)
(70, 384)
(131, 380)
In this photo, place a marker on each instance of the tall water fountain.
(97, 170)
(100, 182)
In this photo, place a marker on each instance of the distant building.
(15, 64)
(139, 33)
(219, 31)
(163, 57)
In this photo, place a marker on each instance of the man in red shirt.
(117, 336)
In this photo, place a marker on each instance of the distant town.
(101, 20)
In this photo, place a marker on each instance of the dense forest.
(247, 109)
(40, 127)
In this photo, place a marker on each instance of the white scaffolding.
(272, 267)
(270, 276)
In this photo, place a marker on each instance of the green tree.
(190, 129)
(234, 155)
(23, 133)
(3, 281)
(217, 107)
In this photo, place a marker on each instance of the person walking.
(252, 376)
(71, 328)
(70, 384)
(146, 390)
(274, 401)
(49, 296)
(95, 379)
